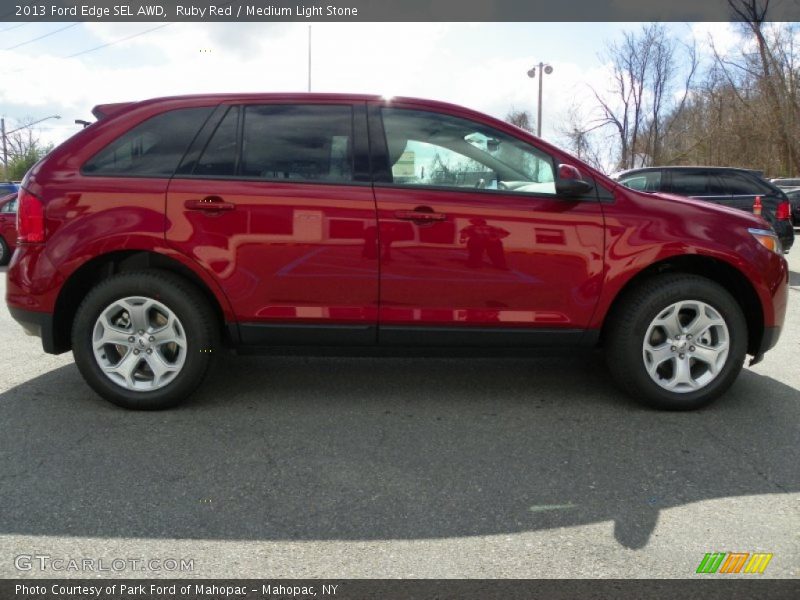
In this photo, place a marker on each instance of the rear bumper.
(38, 324)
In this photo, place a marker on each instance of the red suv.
(174, 227)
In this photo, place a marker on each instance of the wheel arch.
(95, 270)
(714, 269)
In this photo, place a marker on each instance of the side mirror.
(570, 182)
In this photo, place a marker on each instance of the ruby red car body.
(568, 261)
(8, 222)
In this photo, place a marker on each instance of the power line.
(100, 47)
(41, 37)
(13, 27)
(130, 37)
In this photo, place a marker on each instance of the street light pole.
(543, 68)
(5, 135)
(5, 149)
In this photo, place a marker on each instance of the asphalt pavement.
(396, 467)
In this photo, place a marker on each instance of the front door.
(277, 208)
(475, 245)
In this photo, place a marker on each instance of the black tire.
(5, 253)
(629, 322)
(199, 323)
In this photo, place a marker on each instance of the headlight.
(768, 239)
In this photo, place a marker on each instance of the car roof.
(688, 168)
(113, 108)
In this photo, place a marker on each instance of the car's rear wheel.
(676, 341)
(144, 340)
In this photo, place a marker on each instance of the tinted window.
(219, 156)
(738, 184)
(438, 150)
(10, 207)
(690, 183)
(647, 181)
(299, 143)
(152, 148)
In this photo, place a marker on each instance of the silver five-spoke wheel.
(139, 343)
(686, 346)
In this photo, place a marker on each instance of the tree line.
(663, 106)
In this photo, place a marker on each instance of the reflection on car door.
(275, 202)
(468, 254)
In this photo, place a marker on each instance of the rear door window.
(312, 143)
(689, 183)
(151, 149)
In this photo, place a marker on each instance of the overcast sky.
(482, 65)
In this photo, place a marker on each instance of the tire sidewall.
(199, 343)
(721, 301)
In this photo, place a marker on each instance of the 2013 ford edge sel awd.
(172, 228)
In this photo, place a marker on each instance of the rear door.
(702, 184)
(274, 201)
(743, 189)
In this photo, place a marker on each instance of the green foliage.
(20, 164)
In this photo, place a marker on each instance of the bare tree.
(644, 67)
(520, 118)
(581, 139)
(770, 72)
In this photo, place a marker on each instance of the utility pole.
(543, 69)
(5, 149)
(309, 58)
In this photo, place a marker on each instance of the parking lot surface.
(399, 467)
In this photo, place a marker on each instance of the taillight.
(784, 211)
(30, 218)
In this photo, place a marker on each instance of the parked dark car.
(785, 182)
(175, 227)
(793, 195)
(8, 227)
(736, 188)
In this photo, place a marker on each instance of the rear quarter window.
(739, 184)
(151, 149)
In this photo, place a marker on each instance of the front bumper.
(38, 324)
(768, 341)
(785, 232)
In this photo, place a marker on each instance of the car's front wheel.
(676, 341)
(144, 340)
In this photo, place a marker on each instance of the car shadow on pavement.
(353, 448)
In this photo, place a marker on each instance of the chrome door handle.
(209, 204)
(421, 216)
